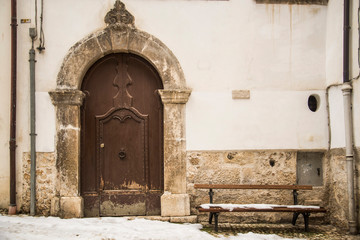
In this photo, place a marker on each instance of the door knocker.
(122, 154)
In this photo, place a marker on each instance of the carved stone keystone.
(119, 15)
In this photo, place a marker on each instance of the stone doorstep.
(183, 219)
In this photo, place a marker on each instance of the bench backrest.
(227, 186)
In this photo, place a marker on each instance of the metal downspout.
(346, 89)
(12, 142)
(32, 61)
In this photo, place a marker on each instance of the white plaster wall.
(265, 121)
(240, 44)
(336, 111)
(355, 71)
(45, 117)
(5, 76)
(334, 70)
(356, 112)
(334, 40)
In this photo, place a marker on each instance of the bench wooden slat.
(215, 211)
(274, 209)
(226, 186)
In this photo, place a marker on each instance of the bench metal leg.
(306, 220)
(216, 221)
(295, 216)
(211, 217)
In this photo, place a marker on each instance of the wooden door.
(121, 138)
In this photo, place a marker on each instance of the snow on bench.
(215, 209)
(231, 207)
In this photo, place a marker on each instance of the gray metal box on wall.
(309, 170)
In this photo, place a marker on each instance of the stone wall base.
(46, 180)
(175, 205)
(217, 167)
(250, 167)
(71, 207)
(55, 206)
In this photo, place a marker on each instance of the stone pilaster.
(175, 201)
(67, 103)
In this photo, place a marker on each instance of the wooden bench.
(215, 209)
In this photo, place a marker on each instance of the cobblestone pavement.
(316, 232)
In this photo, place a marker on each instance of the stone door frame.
(67, 98)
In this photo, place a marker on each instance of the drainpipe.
(32, 61)
(346, 89)
(12, 142)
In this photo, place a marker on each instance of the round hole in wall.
(313, 102)
(272, 162)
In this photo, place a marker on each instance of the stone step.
(182, 219)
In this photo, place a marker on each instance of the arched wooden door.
(121, 138)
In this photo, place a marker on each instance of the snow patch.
(114, 228)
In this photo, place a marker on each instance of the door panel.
(123, 153)
(123, 204)
(122, 138)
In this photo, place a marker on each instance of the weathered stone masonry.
(46, 176)
(235, 167)
(253, 167)
(67, 203)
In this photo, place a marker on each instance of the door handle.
(122, 154)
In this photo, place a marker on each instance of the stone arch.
(119, 36)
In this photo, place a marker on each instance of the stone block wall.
(249, 167)
(46, 176)
(337, 187)
(231, 167)
(357, 183)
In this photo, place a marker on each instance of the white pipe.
(346, 89)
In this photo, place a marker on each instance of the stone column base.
(71, 207)
(175, 205)
(55, 206)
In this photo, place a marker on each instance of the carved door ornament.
(119, 15)
(122, 80)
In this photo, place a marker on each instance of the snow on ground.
(107, 228)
